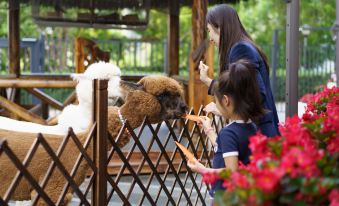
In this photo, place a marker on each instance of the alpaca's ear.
(130, 86)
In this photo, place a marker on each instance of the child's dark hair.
(239, 82)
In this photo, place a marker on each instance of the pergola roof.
(119, 3)
(101, 13)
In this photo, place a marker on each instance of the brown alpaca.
(158, 97)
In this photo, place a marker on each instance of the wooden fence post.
(99, 197)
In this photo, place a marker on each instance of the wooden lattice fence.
(174, 184)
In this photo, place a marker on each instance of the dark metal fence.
(149, 57)
(173, 184)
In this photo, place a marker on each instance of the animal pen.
(101, 188)
(155, 170)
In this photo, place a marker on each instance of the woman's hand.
(212, 108)
(196, 166)
(203, 74)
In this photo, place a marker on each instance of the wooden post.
(79, 56)
(197, 89)
(100, 142)
(173, 40)
(14, 43)
(14, 37)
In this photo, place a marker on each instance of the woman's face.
(214, 34)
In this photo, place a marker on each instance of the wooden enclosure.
(184, 186)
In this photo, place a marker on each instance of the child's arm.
(206, 123)
(230, 162)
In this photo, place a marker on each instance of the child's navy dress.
(232, 140)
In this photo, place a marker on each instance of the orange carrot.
(187, 153)
(194, 118)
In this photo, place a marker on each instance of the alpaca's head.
(164, 93)
(99, 70)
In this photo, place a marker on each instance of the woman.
(234, 43)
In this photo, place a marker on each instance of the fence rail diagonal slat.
(182, 161)
(109, 179)
(26, 173)
(2, 202)
(173, 154)
(142, 161)
(158, 162)
(163, 151)
(130, 168)
(149, 161)
(117, 189)
(62, 169)
(196, 174)
(129, 155)
(89, 186)
(82, 155)
(18, 175)
(189, 172)
(51, 167)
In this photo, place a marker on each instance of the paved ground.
(137, 193)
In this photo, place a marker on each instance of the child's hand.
(196, 166)
(212, 108)
(203, 72)
(206, 124)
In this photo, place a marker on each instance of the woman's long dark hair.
(239, 83)
(227, 20)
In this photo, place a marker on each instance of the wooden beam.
(14, 37)
(23, 83)
(173, 40)
(20, 111)
(46, 98)
(197, 89)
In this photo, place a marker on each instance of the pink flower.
(210, 177)
(307, 98)
(334, 197)
(267, 180)
(240, 180)
(229, 184)
(298, 162)
(333, 145)
(258, 143)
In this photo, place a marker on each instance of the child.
(238, 100)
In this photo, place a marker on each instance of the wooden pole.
(14, 37)
(100, 142)
(79, 56)
(173, 34)
(25, 83)
(197, 89)
(14, 42)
